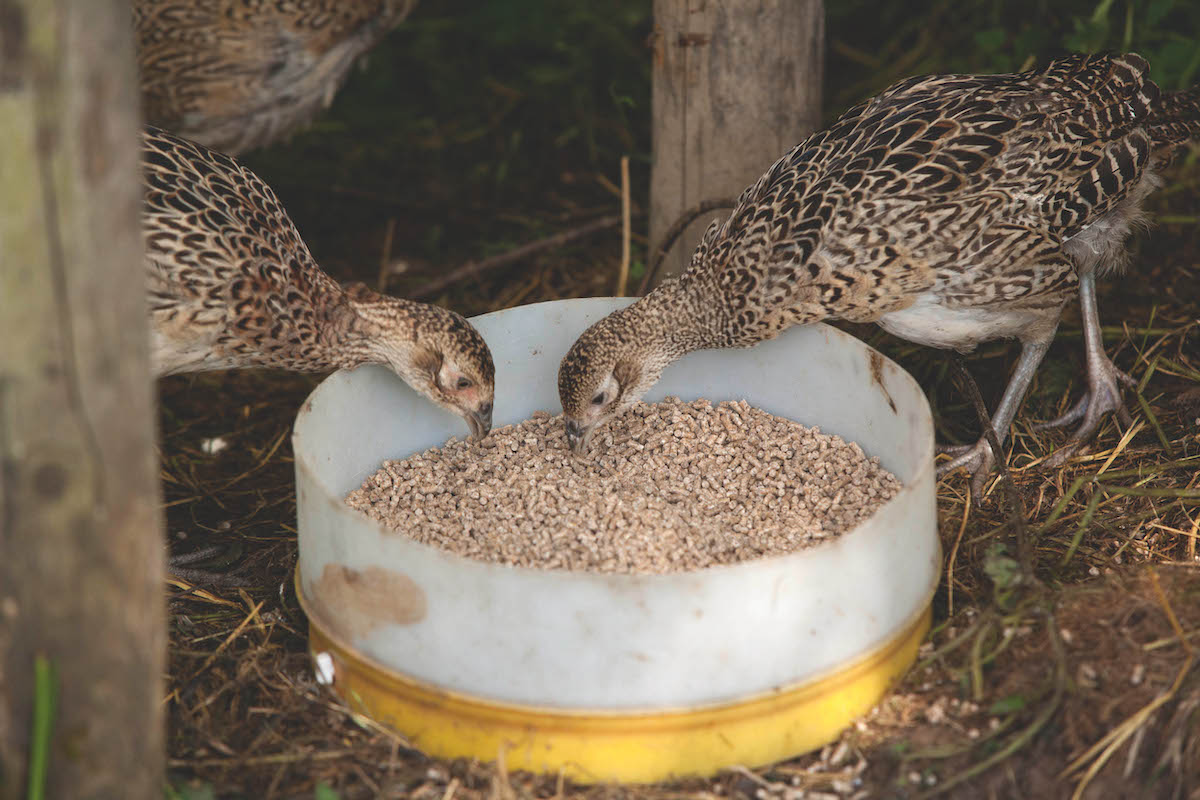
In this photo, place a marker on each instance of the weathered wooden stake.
(737, 83)
(81, 550)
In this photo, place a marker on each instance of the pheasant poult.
(950, 209)
(231, 284)
(239, 74)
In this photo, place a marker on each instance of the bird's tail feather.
(1175, 118)
(1109, 92)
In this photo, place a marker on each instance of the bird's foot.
(976, 458)
(1110, 400)
(206, 553)
(1071, 415)
(203, 565)
(1102, 397)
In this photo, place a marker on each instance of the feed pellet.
(666, 487)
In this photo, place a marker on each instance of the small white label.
(323, 664)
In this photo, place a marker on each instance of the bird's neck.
(682, 315)
(351, 334)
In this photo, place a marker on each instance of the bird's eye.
(598, 400)
(463, 383)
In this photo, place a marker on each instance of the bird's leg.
(1103, 394)
(978, 458)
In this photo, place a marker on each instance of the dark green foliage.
(472, 117)
(1001, 36)
(487, 94)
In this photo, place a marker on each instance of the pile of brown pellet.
(666, 487)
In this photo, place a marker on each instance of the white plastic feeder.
(617, 677)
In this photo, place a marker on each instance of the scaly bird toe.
(1096, 405)
(977, 459)
(1103, 397)
(1074, 414)
(952, 450)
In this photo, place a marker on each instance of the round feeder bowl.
(604, 677)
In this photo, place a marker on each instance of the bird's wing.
(912, 191)
(225, 267)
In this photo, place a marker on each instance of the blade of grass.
(1121, 445)
(1141, 470)
(1084, 522)
(977, 663)
(1158, 431)
(1061, 505)
(1136, 491)
(1180, 371)
(1153, 364)
(45, 702)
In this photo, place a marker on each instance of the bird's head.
(608, 369)
(436, 351)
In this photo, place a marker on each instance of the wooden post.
(81, 549)
(736, 84)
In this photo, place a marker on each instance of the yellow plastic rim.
(634, 746)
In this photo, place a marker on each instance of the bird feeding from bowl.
(950, 209)
(232, 285)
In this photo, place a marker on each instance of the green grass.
(45, 706)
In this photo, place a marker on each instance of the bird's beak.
(479, 422)
(577, 436)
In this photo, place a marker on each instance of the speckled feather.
(238, 74)
(231, 284)
(951, 209)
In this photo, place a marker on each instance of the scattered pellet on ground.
(666, 487)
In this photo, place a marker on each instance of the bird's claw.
(1121, 375)
(1103, 397)
(976, 458)
(1110, 400)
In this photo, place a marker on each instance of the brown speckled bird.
(950, 209)
(239, 74)
(231, 284)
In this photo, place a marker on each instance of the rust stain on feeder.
(877, 376)
(355, 602)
